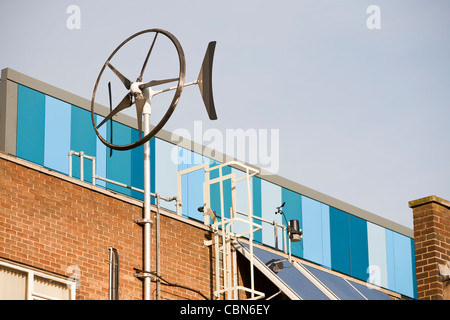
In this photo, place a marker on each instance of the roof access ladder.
(224, 226)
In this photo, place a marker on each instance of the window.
(21, 283)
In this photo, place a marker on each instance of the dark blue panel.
(359, 250)
(336, 284)
(413, 271)
(293, 210)
(340, 242)
(118, 165)
(291, 276)
(153, 168)
(137, 167)
(30, 125)
(370, 293)
(257, 210)
(82, 138)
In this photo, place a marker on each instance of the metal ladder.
(225, 258)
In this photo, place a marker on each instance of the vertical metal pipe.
(110, 273)
(158, 260)
(81, 165)
(93, 171)
(70, 163)
(147, 218)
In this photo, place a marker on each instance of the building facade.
(41, 125)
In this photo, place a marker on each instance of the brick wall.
(432, 246)
(53, 222)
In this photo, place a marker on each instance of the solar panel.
(369, 292)
(313, 283)
(290, 275)
(341, 288)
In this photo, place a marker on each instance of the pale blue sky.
(363, 115)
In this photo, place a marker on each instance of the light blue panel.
(293, 210)
(316, 231)
(242, 204)
(101, 152)
(216, 204)
(359, 259)
(166, 164)
(118, 166)
(400, 261)
(376, 239)
(195, 200)
(312, 230)
(184, 160)
(257, 210)
(390, 259)
(57, 135)
(191, 185)
(82, 138)
(340, 241)
(270, 200)
(326, 238)
(30, 125)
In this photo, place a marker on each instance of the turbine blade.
(122, 78)
(157, 83)
(125, 103)
(146, 59)
(110, 110)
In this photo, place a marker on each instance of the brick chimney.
(432, 247)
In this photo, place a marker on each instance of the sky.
(350, 98)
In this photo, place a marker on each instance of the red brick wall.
(432, 245)
(51, 223)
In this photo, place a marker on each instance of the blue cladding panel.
(376, 236)
(216, 204)
(256, 188)
(191, 184)
(316, 230)
(137, 167)
(30, 125)
(293, 210)
(271, 199)
(82, 138)
(57, 134)
(118, 167)
(359, 259)
(166, 164)
(399, 261)
(241, 201)
(413, 270)
(340, 243)
(101, 153)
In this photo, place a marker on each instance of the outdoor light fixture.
(294, 231)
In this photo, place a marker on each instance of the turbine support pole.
(147, 203)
